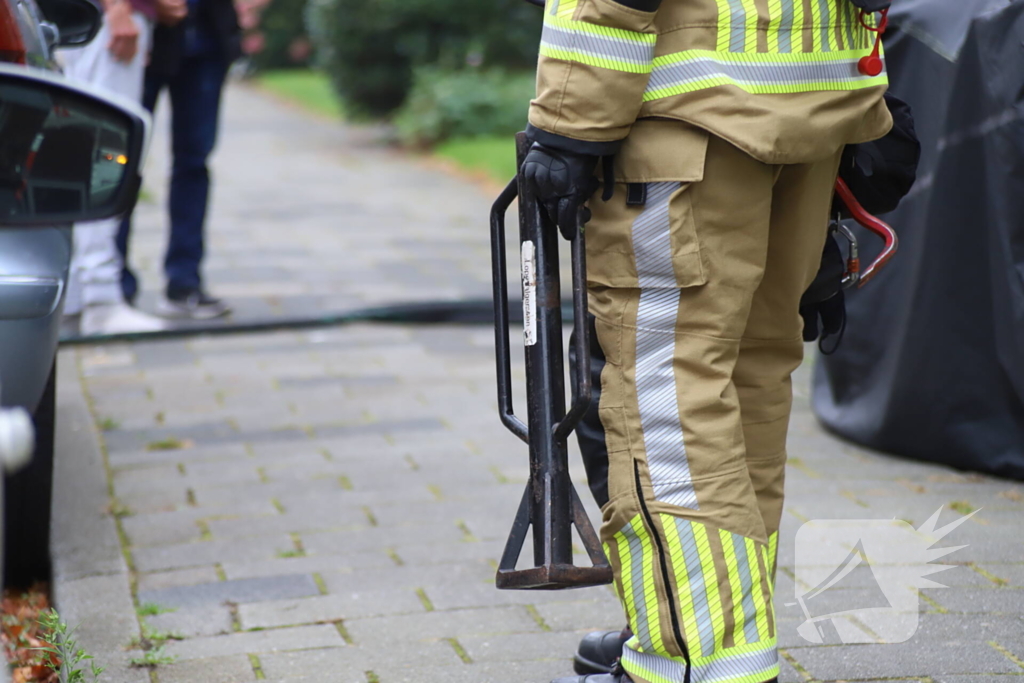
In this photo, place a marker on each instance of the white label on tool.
(529, 294)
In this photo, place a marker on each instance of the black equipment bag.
(872, 5)
(932, 364)
(880, 173)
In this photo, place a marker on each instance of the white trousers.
(95, 276)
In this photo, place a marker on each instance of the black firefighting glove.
(562, 182)
(823, 305)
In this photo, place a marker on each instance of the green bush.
(285, 43)
(467, 103)
(371, 48)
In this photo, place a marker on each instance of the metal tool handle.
(582, 388)
(550, 505)
(499, 272)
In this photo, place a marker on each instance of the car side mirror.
(67, 154)
(78, 21)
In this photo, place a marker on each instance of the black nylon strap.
(642, 5)
(636, 194)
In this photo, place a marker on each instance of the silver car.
(65, 155)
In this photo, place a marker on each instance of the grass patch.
(963, 507)
(153, 638)
(169, 444)
(493, 155)
(311, 90)
(151, 609)
(152, 658)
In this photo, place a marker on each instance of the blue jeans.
(195, 102)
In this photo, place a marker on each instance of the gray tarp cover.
(932, 365)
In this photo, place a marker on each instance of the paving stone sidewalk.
(329, 505)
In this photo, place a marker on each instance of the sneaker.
(117, 318)
(195, 304)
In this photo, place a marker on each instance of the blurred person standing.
(190, 59)
(114, 61)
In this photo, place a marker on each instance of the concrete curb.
(91, 587)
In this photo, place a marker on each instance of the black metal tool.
(550, 503)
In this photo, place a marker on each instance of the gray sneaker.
(192, 305)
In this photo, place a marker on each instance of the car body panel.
(33, 271)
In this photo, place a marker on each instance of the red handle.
(875, 225)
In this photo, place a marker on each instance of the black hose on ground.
(466, 312)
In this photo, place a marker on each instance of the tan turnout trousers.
(695, 279)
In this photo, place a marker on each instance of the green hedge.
(286, 43)
(371, 48)
(467, 103)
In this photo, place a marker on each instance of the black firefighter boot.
(599, 652)
(616, 675)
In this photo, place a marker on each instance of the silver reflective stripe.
(747, 586)
(739, 666)
(663, 668)
(655, 351)
(698, 587)
(786, 26)
(652, 241)
(594, 45)
(636, 562)
(738, 34)
(754, 73)
(722, 670)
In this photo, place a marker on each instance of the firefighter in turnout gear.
(720, 124)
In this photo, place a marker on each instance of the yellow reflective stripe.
(650, 590)
(707, 563)
(736, 586)
(834, 20)
(757, 588)
(750, 44)
(798, 26)
(626, 562)
(758, 73)
(815, 25)
(594, 45)
(724, 25)
(773, 549)
(687, 609)
(774, 20)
